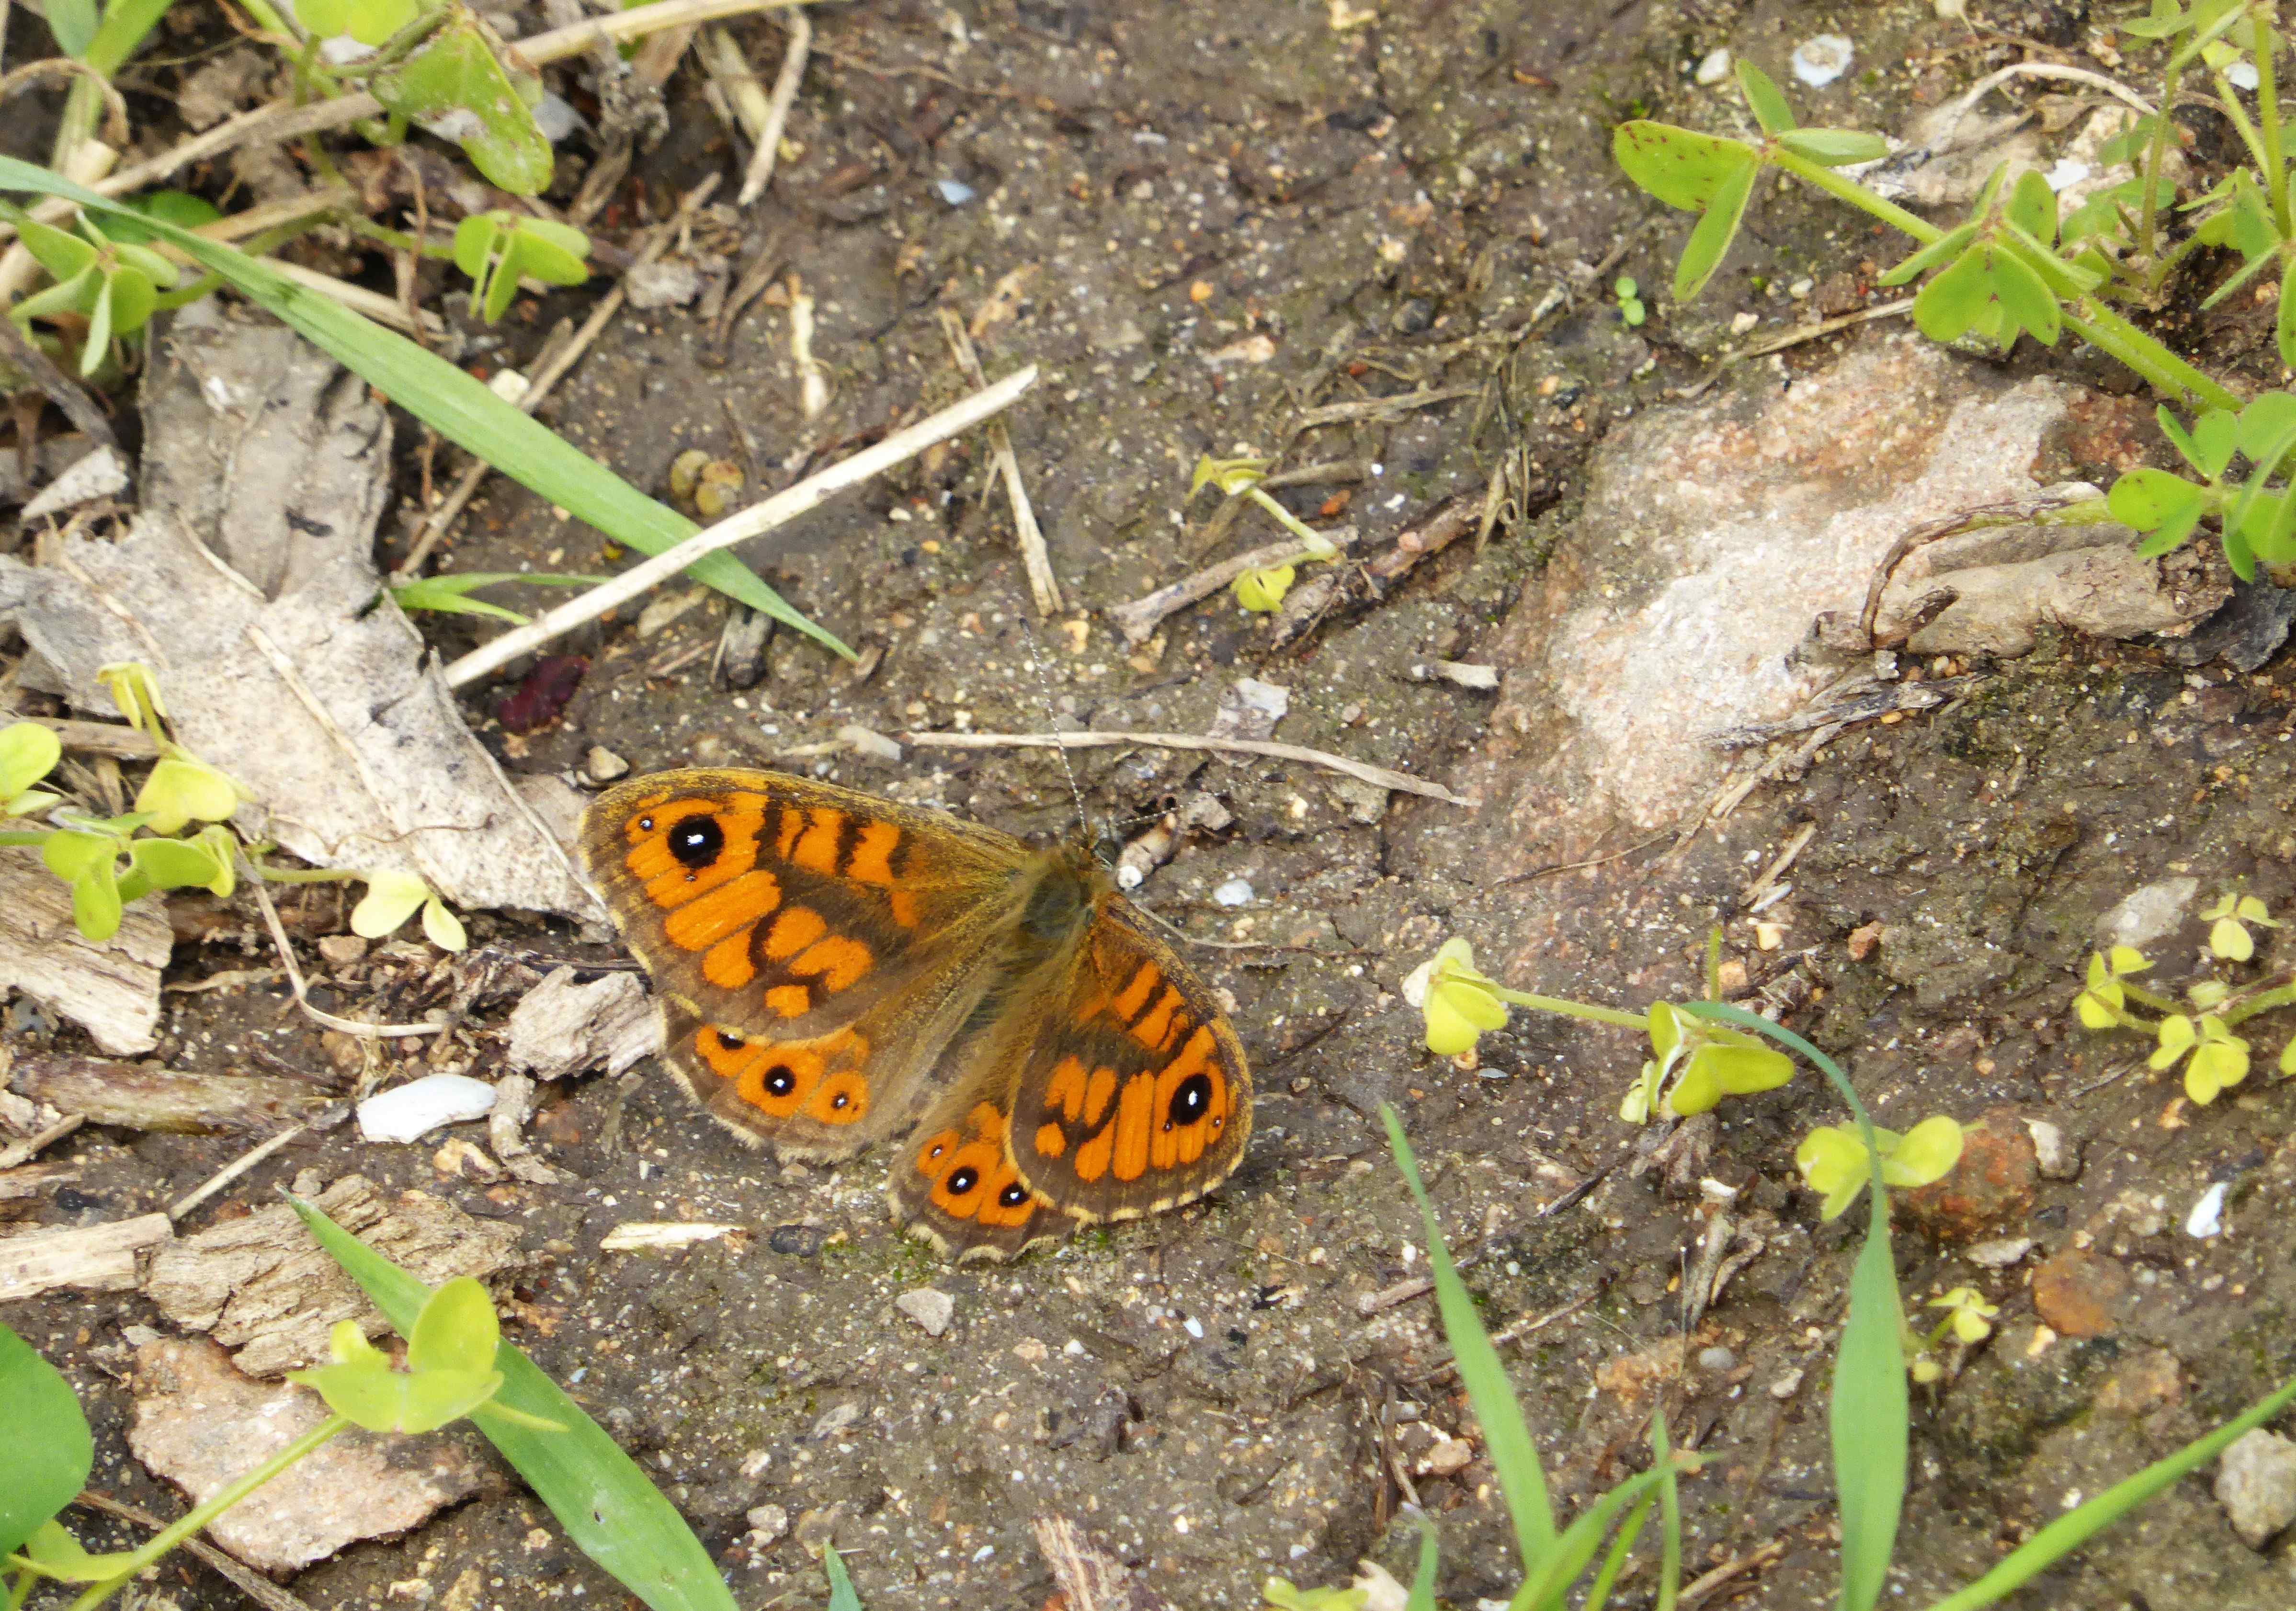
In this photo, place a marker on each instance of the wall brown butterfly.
(835, 968)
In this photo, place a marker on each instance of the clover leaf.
(28, 752)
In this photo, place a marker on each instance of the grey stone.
(2255, 1485)
(929, 1307)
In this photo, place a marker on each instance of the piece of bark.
(248, 581)
(263, 1287)
(110, 989)
(94, 1258)
(35, 1181)
(202, 1425)
(136, 1097)
(561, 1027)
(1092, 1577)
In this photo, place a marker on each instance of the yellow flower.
(1832, 1159)
(2228, 934)
(1971, 1316)
(1459, 1002)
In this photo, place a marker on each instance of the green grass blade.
(1669, 1498)
(607, 1506)
(1576, 1547)
(458, 407)
(841, 1597)
(1598, 1592)
(1868, 1417)
(2069, 1531)
(1422, 1581)
(1506, 1435)
(49, 1450)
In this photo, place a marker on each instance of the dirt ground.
(1389, 206)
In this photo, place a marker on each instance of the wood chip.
(138, 1096)
(94, 1258)
(112, 989)
(264, 1288)
(1088, 1572)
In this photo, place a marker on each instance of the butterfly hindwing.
(1130, 1094)
(954, 1184)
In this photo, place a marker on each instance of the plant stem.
(399, 238)
(2156, 150)
(2268, 113)
(20, 1589)
(2265, 1003)
(2145, 998)
(299, 875)
(176, 1532)
(1574, 1009)
(2162, 369)
(1849, 190)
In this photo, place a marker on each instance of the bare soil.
(1391, 206)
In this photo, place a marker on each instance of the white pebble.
(2207, 1217)
(929, 1306)
(1194, 1326)
(409, 1112)
(1717, 1358)
(2243, 75)
(1821, 59)
(956, 193)
(1715, 68)
(1236, 892)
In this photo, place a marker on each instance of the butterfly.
(835, 968)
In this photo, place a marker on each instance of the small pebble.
(1716, 1359)
(1786, 1386)
(1236, 892)
(2207, 1217)
(341, 950)
(1446, 1457)
(409, 1112)
(1714, 67)
(602, 765)
(666, 283)
(929, 1307)
(1821, 59)
(766, 1524)
(2145, 915)
(1194, 1326)
(2255, 1485)
(956, 193)
(2057, 1157)
(2000, 1252)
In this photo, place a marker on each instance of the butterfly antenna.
(1052, 718)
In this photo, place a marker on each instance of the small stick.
(794, 56)
(1698, 1590)
(777, 510)
(1794, 338)
(1139, 619)
(232, 1171)
(1042, 583)
(1373, 408)
(65, 393)
(547, 376)
(1379, 775)
(2034, 511)
(295, 980)
(257, 1587)
(283, 120)
(21, 1152)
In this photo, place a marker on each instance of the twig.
(794, 56)
(1555, 867)
(257, 1587)
(1976, 92)
(777, 510)
(1042, 585)
(295, 980)
(19, 1152)
(547, 376)
(1139, 619)
(1521, 1327)
(283, 120)
(1373, 408)
(1380, 775)
(1699, 1588)
(95, 738)
(65, 393)
(232, 1171)
(2014, 512)
(1793, 338)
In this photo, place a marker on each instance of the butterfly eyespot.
(1191, 1102)
(840, 1101)
(780, 1080)
(1013, 1195)
(697, 842)
(963, 1180)
(727, 1043)
(645, 824)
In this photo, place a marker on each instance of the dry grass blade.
(1381, 776)
(1044, 587)
(779, 509)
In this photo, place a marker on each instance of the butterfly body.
(835, 968)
